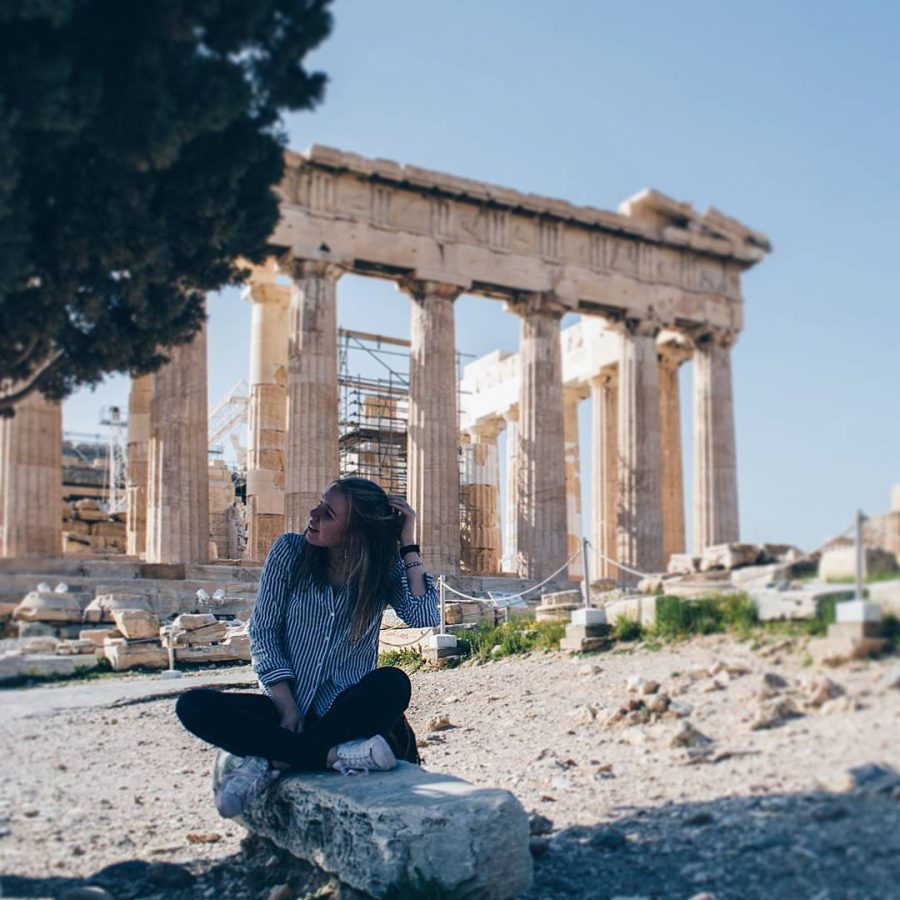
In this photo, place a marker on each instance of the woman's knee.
(193, 705)
(397, 682)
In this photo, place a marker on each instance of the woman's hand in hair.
(408, 519)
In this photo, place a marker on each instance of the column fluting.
(715, 461)
(672, 472)
(480, 500)
(639, 532)
(31, 479)
(605, 473)
(266, 415)
(432, 437)
(572, 396)
(178, 471)
(137, 456)
(510, 558)
(311, 461)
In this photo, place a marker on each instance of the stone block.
(40, 665)
(729, 556)
(123, 655)
(762, 576)
(208, 634)
(394, 828)
(102, 607)
(562, 598)
(640, 609)
(583, 644)
(98, 636)
(192, 621)
(211, 653)
(554, 613)
(587, 617)
(840, 562)
(857, 611)
(804, 603)
(683, 564)
(49, 606)
(136, 624)
(70, 647)
(239, 645)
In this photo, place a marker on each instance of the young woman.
(314, 642)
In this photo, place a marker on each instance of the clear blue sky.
(783, 115)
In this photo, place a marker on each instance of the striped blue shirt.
(304, 634)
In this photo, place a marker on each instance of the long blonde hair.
(370, 548)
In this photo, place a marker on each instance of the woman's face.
(328, 521)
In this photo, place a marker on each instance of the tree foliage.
(140, 142)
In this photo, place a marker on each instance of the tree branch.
(9, 400)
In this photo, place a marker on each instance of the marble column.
(480, 496)
(639, 532)
(572, 396)
(137, 456)
(541, 477)
(267, 413)
(715, 463)
(311, 462)
(178, 476)
(432, 437)
(672, 475)
(510, 558)
(605, 473)
(31, 479)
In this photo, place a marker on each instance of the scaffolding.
(374, 408)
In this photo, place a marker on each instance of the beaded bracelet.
(413, 564)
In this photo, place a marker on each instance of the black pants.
(248, 724)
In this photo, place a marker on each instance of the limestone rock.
(683, 564)
(775, 712)
(892, 678)
(38, 665)
(49, 606)
(193, 621)
(820, 690)
(72, 647)
(689, 736)
(208, 634)
(136, 624)
(123, 655)
(399, 826)
(772, 685)
(98, 636)
(101, 608)
(207, 653)
(729, 556)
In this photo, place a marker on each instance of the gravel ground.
(630, 799)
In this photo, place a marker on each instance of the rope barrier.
(535, 587)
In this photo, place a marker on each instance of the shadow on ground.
(828, 846)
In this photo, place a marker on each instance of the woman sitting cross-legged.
(314, 642)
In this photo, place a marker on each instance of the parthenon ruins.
(656, 284)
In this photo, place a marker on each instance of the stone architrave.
(138, 464)
(312, 389)
(510, 557)
(572, 396)
(715, 463)
(639, 532)
(672, 473)
(540, 469)
(432, 437)
(480, 496)
(605, 473)
(31, 479)
(178, 476)
(267, 413)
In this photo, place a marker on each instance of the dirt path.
(751, 813)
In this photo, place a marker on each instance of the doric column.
(267, 413)
(432, 454)
(541, 479)
(137, 457)
(672, 475)
(480, 496)
(572, 396)
(31, 479)
(510, 540)
(605, 472)
(312, 389)
(178, 478)
(639, 532)
(715, 463)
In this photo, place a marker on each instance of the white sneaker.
(364, 755)
(243, 784)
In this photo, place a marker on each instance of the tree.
(140, 144)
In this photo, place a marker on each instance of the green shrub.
(625, 629)
(521, 635)
(678, 618)
(406, 658)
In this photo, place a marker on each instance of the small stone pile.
(119, 627)
(87, 530)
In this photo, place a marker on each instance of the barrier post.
(585, 565)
